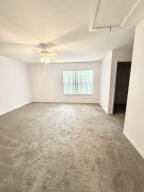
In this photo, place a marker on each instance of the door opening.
(122, 85)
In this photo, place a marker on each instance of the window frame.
(79, 94)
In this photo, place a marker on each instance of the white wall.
(108, 76)
(14, 85)
(105, 76)
(47, 84)
(122, 54)
(134, 122)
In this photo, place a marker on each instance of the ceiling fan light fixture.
(47, 56)
(45, 59)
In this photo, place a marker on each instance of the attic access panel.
(112, 12)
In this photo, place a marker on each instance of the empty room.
(72, 96)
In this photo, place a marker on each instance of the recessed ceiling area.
(112, 13)
(66, 24)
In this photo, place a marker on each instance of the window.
(78, 82)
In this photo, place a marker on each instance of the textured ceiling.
(65, 23)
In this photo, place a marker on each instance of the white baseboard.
(134, 145)
(63, 101)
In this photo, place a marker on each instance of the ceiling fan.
(42, 49)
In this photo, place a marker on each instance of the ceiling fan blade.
(36, 50)
(16, 45)
(45, 45)
(26, 45)
(40, 51)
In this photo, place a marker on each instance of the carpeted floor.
(66, 148)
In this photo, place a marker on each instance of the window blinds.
(78, 82)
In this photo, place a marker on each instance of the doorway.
(121, 88)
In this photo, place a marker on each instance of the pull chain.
(108, 37)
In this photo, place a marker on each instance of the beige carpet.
(66, 148)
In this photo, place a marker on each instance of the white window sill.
(77, 94)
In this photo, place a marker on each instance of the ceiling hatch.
(112, 13)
